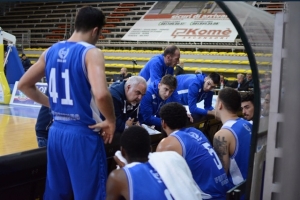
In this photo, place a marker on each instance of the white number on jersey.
(213, 154)
(168, 194)
(52, 87)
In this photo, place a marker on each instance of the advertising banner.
(183, 28)
(18, 98)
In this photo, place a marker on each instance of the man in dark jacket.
(240, 84)
(25, 62)
(126, 99)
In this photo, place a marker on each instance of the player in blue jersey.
(160, 65)
(206, 168)
(232, 141)
(140, 180)
(158, 93)
(78, 92)
(193, 88)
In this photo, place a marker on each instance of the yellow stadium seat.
(207, 61)
(217, 61)
(268, 54)
(203, 69)
(244, 62)
(261, 71)
(108, 65)
(198, 61)
(240, 54)
(225, 61)
(221, 70)
(258, 54)
(231, 54)
(235, 62)
(264, 63)
(230, 70)
(231, 79)
(138, 66)
(222, 53)
(240, 71)
(145, 59)
(189, 60)
(193, 68)
(211, 69)
(249, 71)
(213, 52)
(204, 52)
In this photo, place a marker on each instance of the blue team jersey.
(206, 168)
(238, 169)
(145, 183)
(70, 92)
(190, 92)
(155, 69)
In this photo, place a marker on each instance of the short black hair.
(169, 80)
(215, 78)
(247, 96)
(170, 50)
(174, 115)
(136, 142)
(231, 99)
(88, 18)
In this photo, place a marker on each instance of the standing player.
(77, 91)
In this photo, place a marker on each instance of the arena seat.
(240, 71)
(221, 70)
(235, 62)
(189, 60)
(225, 61)
(230, 70)
(244, 62)
(207, 61)
(217, 61)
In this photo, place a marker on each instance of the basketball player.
(193, 146)
(77, 91)
(232, 141)
(141, 177)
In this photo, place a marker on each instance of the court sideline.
(17, 131)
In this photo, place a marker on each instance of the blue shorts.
(76, 162)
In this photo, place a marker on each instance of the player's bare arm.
(221, 145)
(117, 185)
(169, 143)
(96, 74)
(33, 75)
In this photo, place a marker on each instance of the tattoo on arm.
(220, 146)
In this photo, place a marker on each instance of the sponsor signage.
(183, 28)
(18, 98)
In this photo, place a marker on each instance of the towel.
(176, 175)
(118, 154)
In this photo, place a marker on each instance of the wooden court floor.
(17, 132)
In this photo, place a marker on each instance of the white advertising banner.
(183, 28)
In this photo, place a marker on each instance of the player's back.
(238, 168)
(206, 168)
(145, 183)
(70, 92)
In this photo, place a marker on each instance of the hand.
(190, 117)
(107, 130)
(137, 123)
(129, 122)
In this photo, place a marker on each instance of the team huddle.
(87, 115)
